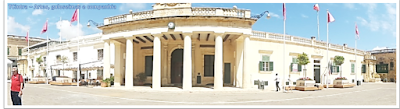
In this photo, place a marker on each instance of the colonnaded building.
(176, 44)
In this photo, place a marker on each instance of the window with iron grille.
(100, 54)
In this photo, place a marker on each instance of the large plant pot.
(104, 84)
(340, 82)
(305, 85)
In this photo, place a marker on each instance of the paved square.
(367, 94)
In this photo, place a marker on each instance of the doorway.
(177, 67)
(227, 73)
(317, 74)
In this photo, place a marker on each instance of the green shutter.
(291, 69)
(299, 67)
(265, 58)
(260, 66)
(271, 66)
(363, 69)
(332, 69)
(352, 68)
(8, 51)
(20, 52)
(337, 69)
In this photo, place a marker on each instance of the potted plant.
(140, 79)
(111, 80)
(338, 60)
(305, 78)
(105, 82)
(303, 61)
(341, 78)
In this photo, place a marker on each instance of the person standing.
(277, 83)
(17, 83)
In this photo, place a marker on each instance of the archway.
(177, 67)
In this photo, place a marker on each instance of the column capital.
(218, 34)
(187, 34)
(116, 42)
(157, 35)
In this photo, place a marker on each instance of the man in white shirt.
(277, 83)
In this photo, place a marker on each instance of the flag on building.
(330, 17)
(27, 36)
(44, 29)
(75, 16)
(316, 7)
(284, 11)
(358, 35)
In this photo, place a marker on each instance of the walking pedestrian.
(17, 84)
(277, 82)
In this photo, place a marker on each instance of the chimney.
(312, 37)
(345, 45)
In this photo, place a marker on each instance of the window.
(100, 54)
(382, 68)
(391, 65)
(58, 57)
(44, 59)
(363, 68)
(148, 66)
(352, 67)
(334, 68)
(100, 74)
(19, 51)
(8, 50)
(295, 66)
(209, 65)
(265, 64)
(75, 56)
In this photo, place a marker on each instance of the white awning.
(9, 61)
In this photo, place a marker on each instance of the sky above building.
(376, 21)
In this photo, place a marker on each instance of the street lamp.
(95, 23)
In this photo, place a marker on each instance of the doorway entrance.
(227, 73)
(177, 67)
(317, 74)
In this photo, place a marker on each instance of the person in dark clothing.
(17, 84)
(277, 83)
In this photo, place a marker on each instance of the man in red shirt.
(17, 82)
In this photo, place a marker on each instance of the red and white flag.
(75, 16)
(358, 35)
(330, 17)
(284, 11)
(316, 7)
(27, 36)
(44, 29)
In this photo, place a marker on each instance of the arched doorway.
(177, 66)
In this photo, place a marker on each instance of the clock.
(171, 25)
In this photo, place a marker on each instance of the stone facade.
(386, 56)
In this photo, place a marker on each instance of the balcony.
(22, 57)
(193, 11)
(369, 57)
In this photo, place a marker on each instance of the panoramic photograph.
(200, 54)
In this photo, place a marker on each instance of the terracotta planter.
(103, 84)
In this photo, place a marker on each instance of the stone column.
(117, 63)
(239, 62)
(187, 62)
(246, 62)
(129, 63)
(106, 59)
(156, 62)
(218, 83)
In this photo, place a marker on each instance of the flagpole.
(318, 23)
(355, 53)
(284, 46)
(47, 80)
(28, 48)
(78, 71)
(327, 51)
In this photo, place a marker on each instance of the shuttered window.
(265, 64)
(209, 65)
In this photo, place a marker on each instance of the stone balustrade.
(300, 40)
(194, 11)
(65, 45)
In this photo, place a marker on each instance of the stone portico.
(181, 53)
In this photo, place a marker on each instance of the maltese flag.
(44, 29)
(316, 7)
(330, 17)
(358, 35)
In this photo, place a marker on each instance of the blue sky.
(376, 21)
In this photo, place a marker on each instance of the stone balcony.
(304, 41)
(184, 11)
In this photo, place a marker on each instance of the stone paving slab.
(43, 94)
